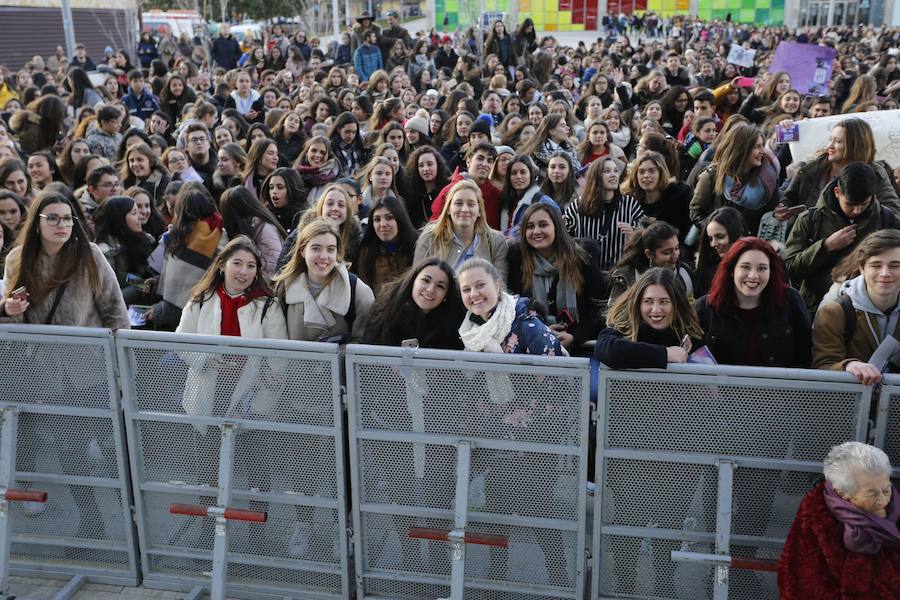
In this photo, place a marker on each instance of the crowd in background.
(626, 196)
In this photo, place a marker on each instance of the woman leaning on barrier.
(497, 321)
(56, 276)
(424, 305)
(649, 325)
(232, 298)
(752, 316)
(844, 542)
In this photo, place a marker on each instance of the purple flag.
(808, 65)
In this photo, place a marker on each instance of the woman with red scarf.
(844, 542)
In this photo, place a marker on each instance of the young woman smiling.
(324, 301)
(752, 316)
(724, 227)
(461, 231)
(497, 321)
(550, 267)
(647, 324)
(424, 305)
(387, 246)
(66, 278)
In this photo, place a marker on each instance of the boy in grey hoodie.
(872, 299)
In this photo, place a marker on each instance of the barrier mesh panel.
(276, 468)
(647, 419)
(752, 420)
(68, 427)
(892, 431)
(406, 469)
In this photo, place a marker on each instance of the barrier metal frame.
(459, 516)
(890, 388)
(722, 538)
(220, 556)
(54, 569)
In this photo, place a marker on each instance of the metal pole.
(10, 435)
(68, 27)
(460, 518)
(723, 527)
(335, 18)
(220, 546)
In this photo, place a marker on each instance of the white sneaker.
(33, 509)
(299, 543)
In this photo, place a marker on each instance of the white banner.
(885, 126)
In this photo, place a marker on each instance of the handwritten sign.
(741, 56)
(808, 65)
(885, 126)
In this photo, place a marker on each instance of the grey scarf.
(545, 272)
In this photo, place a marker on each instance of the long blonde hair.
(296, 264)
(442, 228)
(346, 228)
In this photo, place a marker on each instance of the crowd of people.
(495, 193)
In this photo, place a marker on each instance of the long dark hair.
(413, 186)
(74, 257)
(369, 246)
(568, 188)
(192, 204)
(395, 305)
(568, 256)
(110, 227)
(295, 189)
(650, 237)
(731, 219)
(722, 294)
(239, 207)
(510, 196)
(204, 289)
(52, 112)
(155, 225)
(80, 83)
(334, 135)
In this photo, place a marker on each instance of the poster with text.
(809, 66)
(885, 124)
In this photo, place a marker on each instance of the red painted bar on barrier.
(231, 514)
(754, 564)
(25, 496)
(442, 535)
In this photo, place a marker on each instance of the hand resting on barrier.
(866, 373)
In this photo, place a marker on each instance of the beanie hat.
(481, 125)
(417, 124)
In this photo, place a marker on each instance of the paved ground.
(27, 588)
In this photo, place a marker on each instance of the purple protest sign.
(808, 65)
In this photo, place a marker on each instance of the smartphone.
(796, 210)
(746, 82)
(686, 343)
(563, 317)
(19, 294)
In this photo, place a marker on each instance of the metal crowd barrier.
(887, 422)
(237, 460)
(702, 468)
(63, 461)
(468, 474)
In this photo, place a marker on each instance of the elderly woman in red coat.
(844, 543)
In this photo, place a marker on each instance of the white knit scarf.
(488, 336)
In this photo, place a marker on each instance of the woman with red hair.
(751, 315)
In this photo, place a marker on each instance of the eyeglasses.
(56, 220)
(197, 140)
(110, 185)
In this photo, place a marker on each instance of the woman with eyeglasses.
(55, 276)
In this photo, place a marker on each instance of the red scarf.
(230, 323)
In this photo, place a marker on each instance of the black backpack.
(849, 317)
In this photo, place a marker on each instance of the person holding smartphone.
(549, 266)
(55, 276)
(649, 326)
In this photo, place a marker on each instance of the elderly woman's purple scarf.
(864, 532)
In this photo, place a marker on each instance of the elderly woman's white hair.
(845, 461)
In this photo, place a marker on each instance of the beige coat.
(252, 395)
(311, 319)
(493, 249)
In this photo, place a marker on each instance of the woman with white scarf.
(497, 321)
(324, 301)
(560, 273)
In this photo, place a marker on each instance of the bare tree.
(122, 30)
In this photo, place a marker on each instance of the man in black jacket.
(225, 48)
